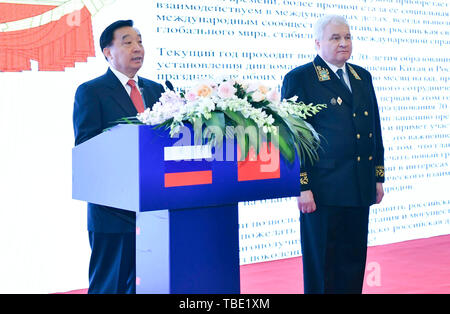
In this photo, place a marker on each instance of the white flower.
(252, 87)
(258, 96)
(199, 103)
(294, 99)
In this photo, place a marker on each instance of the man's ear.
(107, 53)
(317, 44)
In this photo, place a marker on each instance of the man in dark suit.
(99, 104)
(337, 190)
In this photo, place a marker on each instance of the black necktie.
(340, 73)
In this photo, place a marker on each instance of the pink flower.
(191, 95)
(273, 96)
(226, 90)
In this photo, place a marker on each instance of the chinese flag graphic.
(264, 166)
(54, 33)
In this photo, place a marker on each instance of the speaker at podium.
(185, 198)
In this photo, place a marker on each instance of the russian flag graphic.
(186, 165)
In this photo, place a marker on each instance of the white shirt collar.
(335, 68)
(344, 69)
(122, 77)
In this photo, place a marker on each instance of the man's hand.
(306, 202)
(380, 192)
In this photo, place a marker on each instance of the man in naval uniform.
(338, 189)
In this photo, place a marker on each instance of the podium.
(186, 201)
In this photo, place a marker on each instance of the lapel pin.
(333, 101)
(339, 101)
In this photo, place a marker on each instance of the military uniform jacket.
(351, 157)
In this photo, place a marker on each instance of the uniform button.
(358, 136)
(354, 115)
(370, 157)
(366, 113)
(370, 135)
(359, 158)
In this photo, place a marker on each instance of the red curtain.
(55, 45)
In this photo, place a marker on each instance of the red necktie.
(136, 97)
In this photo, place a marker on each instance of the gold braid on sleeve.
(379, 171)
(304, 178)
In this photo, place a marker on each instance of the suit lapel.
(331, 81)
(119, 94)
(147, 93)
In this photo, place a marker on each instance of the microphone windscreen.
(169, 85)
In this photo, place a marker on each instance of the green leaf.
(197, 125)
(240, 123)
(217, 121)
(283, 145)
(128, 120)
(287, 134)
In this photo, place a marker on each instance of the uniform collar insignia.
(352, 70)
(322, 73)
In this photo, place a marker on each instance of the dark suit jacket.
(352, 154)
(99, 103)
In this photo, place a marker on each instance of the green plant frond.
(288, 134)
(242, 142)
(215, 129)
(217, 120)
(198, 131)
(128, 120)
(286, 148)
(236, 117)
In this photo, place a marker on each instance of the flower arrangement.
(239, 105)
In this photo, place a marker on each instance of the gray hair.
(324, 21)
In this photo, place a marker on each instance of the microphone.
(169, 86)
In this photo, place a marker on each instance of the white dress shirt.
(124, 80)
(344, 69)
